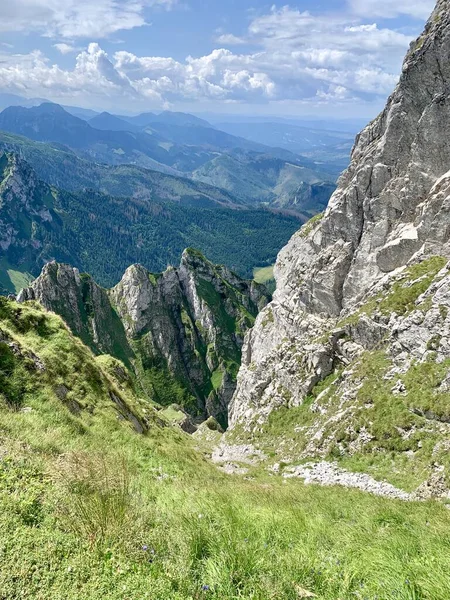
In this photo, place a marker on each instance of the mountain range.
(176, 144)
(328, 149)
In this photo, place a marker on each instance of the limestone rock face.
(180, 332)
(85, 307)
(391, 209)
(27, 206)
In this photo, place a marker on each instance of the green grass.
(417, 280)
(216, 379)
(311, 224)
(12, 280)
(172, 414)
(19, 280)
(91, 510)
(263, 274)
(404, 293)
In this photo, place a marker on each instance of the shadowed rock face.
(391, 209)
(180, 331)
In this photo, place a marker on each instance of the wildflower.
(205, 588)
(145, 548)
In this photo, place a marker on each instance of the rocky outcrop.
(359, 279)
(180, 332)
(26, 206)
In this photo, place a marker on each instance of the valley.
(103, 235)
(189, 149)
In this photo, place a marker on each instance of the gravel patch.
(247, 454)
(325, 473)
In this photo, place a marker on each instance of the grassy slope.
(89, 509)
(11, 279)
(265, 276)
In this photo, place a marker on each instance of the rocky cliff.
(180, 332)
(27, 216)
(357, 339)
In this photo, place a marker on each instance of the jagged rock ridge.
(360, 279)
(180, 331)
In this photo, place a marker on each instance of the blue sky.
(322, 57)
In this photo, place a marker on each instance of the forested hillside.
(103, 235)
(57, 165)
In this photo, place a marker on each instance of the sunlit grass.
(263, 274)
(89, 509)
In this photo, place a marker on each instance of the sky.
(322, 58)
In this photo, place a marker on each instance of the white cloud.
(65, 48)
(287, 30)
(229, 39)
(419, 9)
(296, 57)
(94, 76)
(75, 18)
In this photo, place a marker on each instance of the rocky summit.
(179, 332)
(356, 343)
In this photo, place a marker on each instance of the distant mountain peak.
(108, 122)
(167, 117)
(49, 107)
